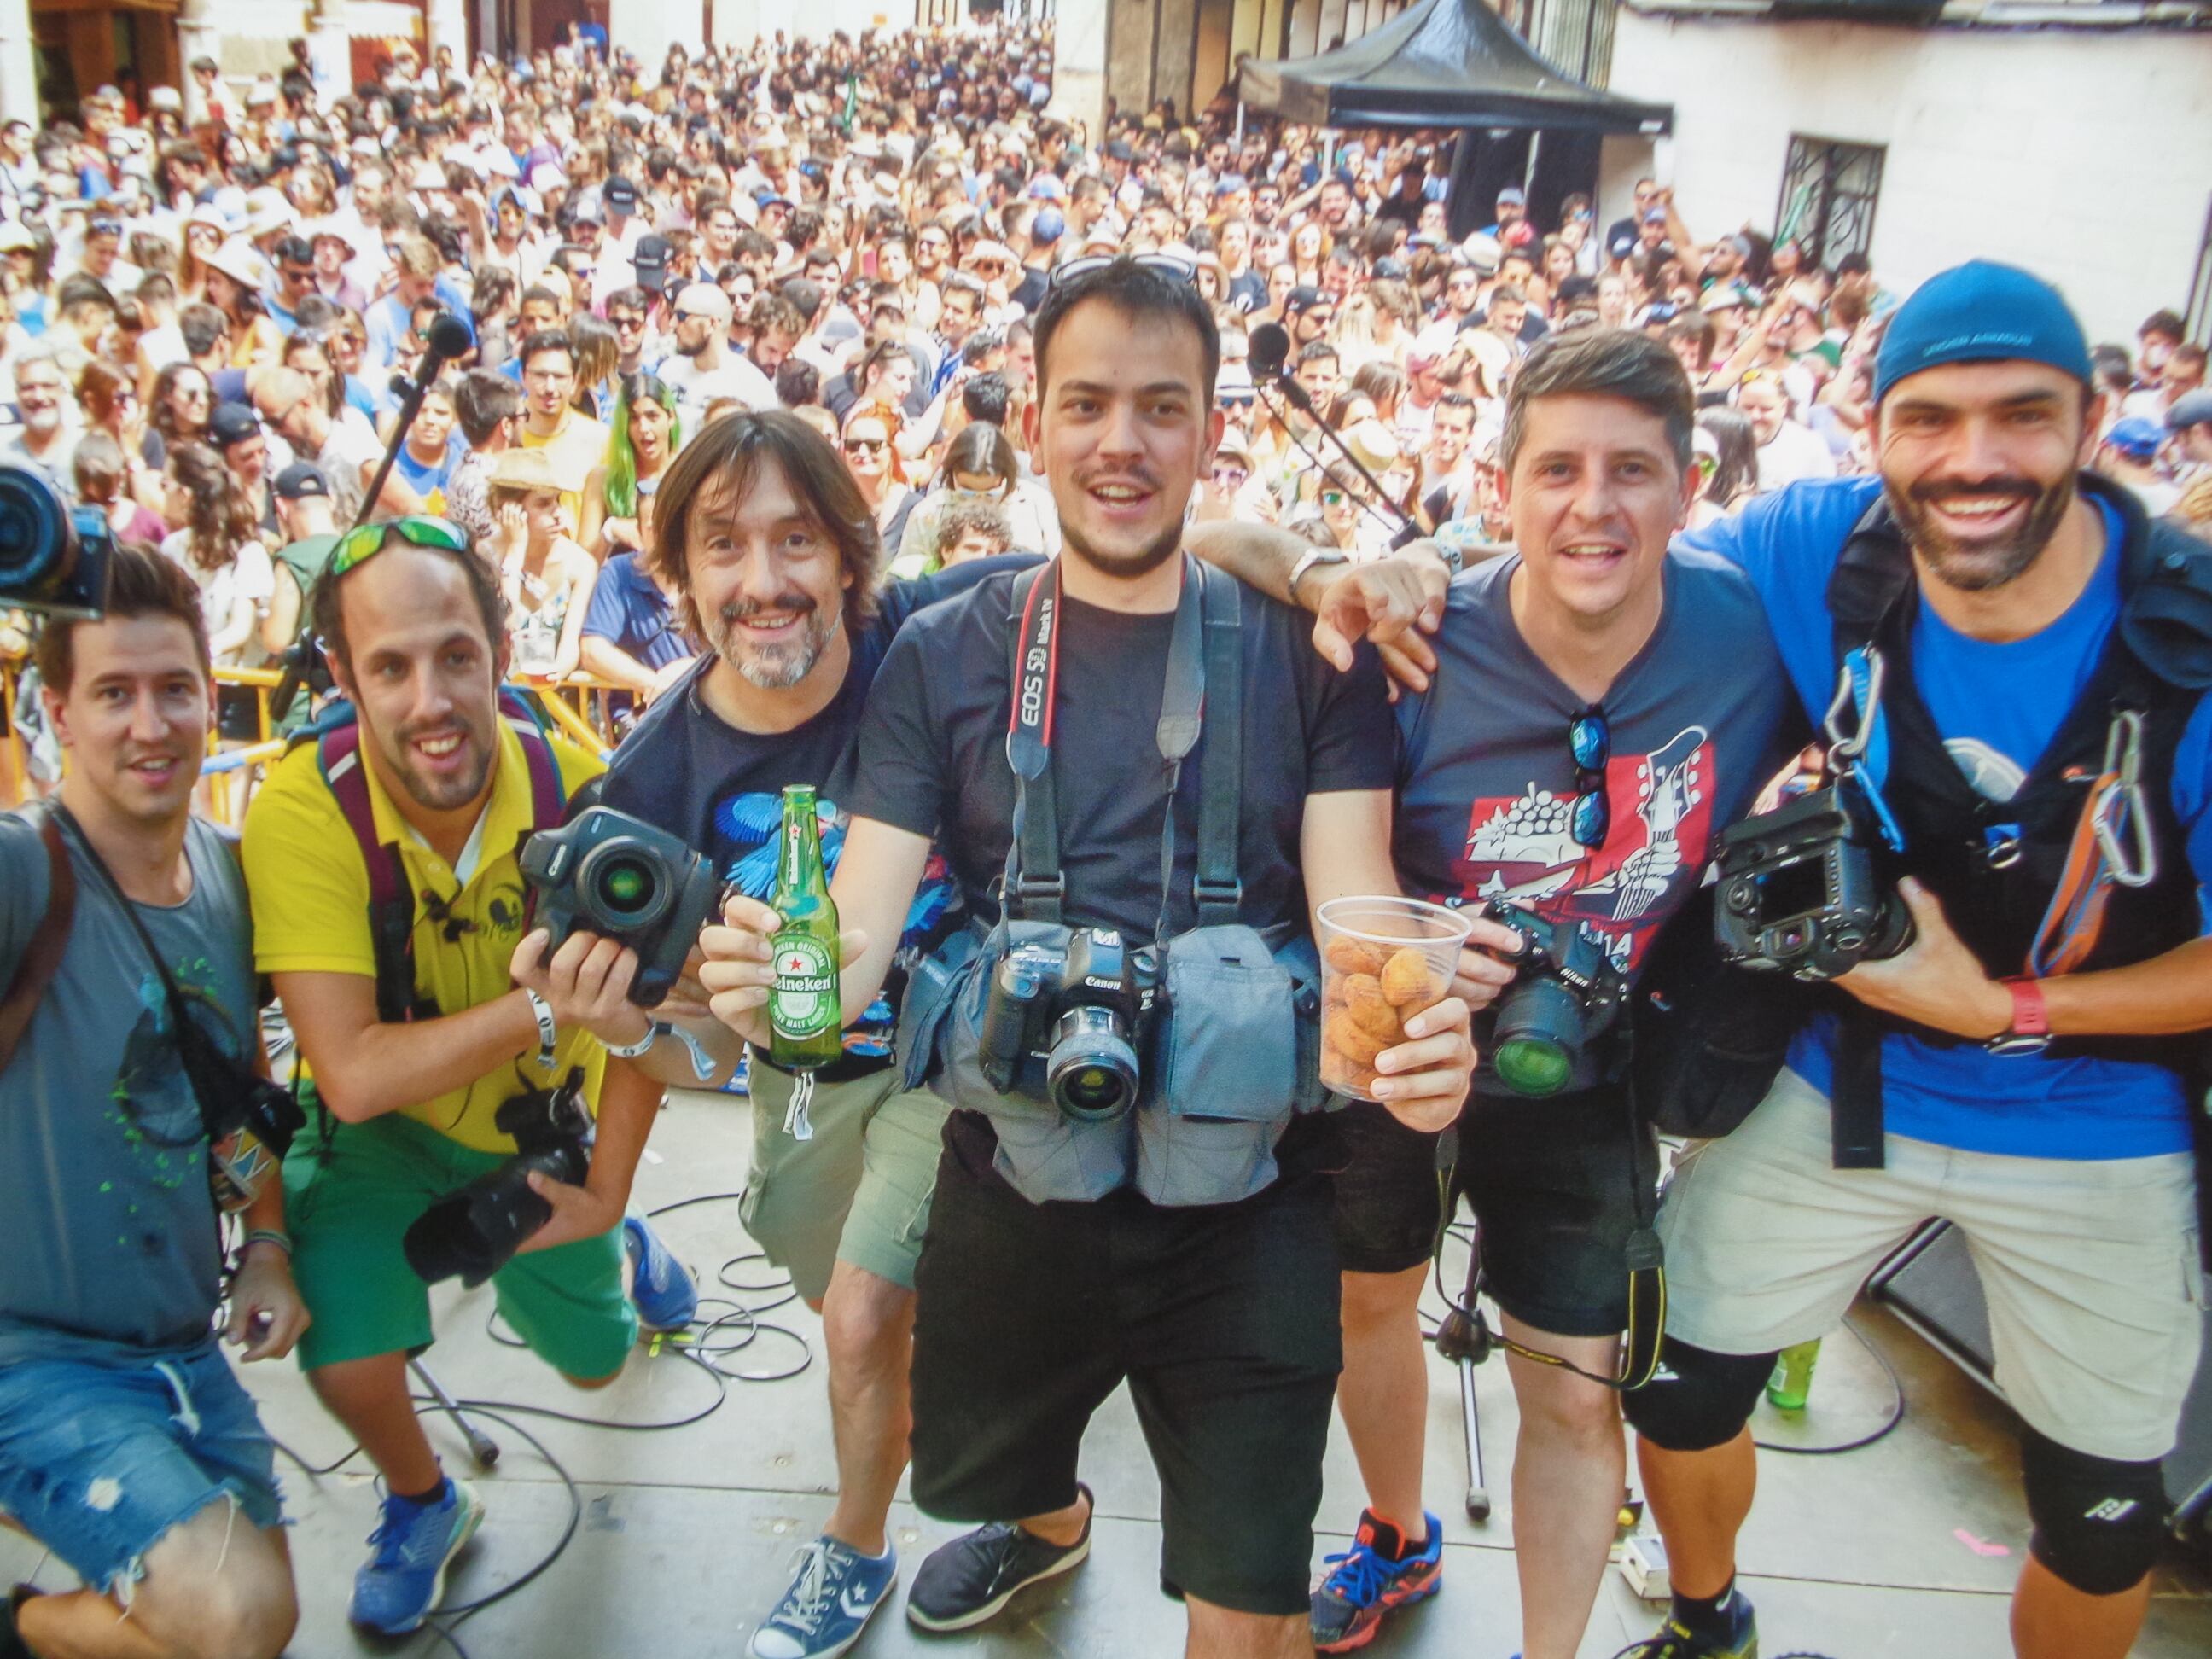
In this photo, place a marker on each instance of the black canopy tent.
(1457, 64)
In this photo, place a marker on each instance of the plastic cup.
(1382, 960)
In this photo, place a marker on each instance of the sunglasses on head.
(364, 541)
(1166, 264)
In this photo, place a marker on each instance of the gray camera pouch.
(1228, 1071)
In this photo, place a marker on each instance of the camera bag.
(1235, 1051)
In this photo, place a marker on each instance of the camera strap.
(218, 1121)
(42, 957)
(1205, 655)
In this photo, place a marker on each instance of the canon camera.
(476, 1230)
(1799, 892)
(1565, 994)
(617, 876)
(1067, 1022)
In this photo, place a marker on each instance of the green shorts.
(348, 1213)
(858, 1191)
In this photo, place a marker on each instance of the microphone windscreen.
(1268, 350)
(449, 335)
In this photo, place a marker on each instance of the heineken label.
(803, 1002)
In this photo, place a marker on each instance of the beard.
(441, 794)
(1974, 566)
(1125, 566)
(780, 666)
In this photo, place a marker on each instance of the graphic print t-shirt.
(686, 770)
(103, 1162)
(1487, 783)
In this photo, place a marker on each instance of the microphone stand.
(1396, 518)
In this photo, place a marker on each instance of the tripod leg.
(481, 1446)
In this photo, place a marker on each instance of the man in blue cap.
(2029, 653)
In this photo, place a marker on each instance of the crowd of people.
(753, 424)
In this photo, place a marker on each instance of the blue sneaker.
(661, 1287)
(415, 1545)
(834, 1590)
(1371, 1579)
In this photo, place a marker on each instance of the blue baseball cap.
(1980, 313)
(2136, 438)
(1049, 226)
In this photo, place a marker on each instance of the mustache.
(1931, 491)
(740, 609)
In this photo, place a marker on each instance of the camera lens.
(1538, 1039)
(624, 885)
(1092, 1072)
(36, 540)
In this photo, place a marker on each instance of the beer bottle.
(806, 1027)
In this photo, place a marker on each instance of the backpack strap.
(42, 957)
(390, 895)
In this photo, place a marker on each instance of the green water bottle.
(1792, 1381)
(805, 1024)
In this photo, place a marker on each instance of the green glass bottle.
(806, 1028)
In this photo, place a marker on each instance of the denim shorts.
(104, 1449)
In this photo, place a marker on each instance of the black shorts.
(1223, 1320)
(1549, 1181)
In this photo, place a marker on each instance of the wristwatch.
(1308, 560)
(2031, 1024)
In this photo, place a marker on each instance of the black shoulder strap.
(42, 957)
(1221, 771)
(1872, 576)
(1036, 885)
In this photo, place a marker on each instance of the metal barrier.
(579, 710)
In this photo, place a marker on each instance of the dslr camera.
(476, 1230)
(609, 874)
(52, 558)
(1566, 993)
(1067, 1022)
(1798, 891)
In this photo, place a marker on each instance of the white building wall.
(2085, 155)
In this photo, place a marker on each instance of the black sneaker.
(1675, 1640)
(967, 1581)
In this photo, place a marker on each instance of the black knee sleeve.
(1698, 1398)
(2100, 1523)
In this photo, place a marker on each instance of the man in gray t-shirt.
(127, 1447)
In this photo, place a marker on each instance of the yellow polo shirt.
(574, 447)
(310, 892)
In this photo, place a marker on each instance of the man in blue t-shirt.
(2022, 1080)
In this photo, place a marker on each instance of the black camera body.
(52, 557)
(1799, 893)
(476, 1230)
(1565, 993)
(1067, 1022)
(609, 874)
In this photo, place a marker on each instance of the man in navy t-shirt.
(2016, 1070)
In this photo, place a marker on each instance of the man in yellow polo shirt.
(414, 622)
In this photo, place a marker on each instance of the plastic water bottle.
(1792, 1381)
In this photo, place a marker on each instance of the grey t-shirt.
(110, 1229)
(1487, 782)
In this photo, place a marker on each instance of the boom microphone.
(1268, 350)
(449, 338)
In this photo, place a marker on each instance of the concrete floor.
(1907, 1547)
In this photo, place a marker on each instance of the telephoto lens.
(475, 1232)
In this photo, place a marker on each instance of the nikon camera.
(1566, 995)
(51, 558)
(476, 1230)
(612, 874)
(1798, 891)
(1066, 1024)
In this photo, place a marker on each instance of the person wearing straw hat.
(235, 276)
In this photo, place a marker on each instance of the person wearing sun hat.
(2006, 1072)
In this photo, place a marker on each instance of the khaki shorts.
(858, 1191)
(2089, 1268)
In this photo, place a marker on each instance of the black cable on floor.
(1896, 1414)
